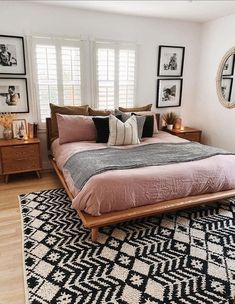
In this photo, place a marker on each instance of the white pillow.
(123, 133)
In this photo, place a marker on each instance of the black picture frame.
(9, 70)
(169, 103)
(231, 68)
(230, 88)
(14, 108)
(162, 65)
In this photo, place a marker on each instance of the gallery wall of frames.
(170, 72)
(13, 81)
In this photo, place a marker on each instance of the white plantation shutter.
(126, 78)
(47, 77)
(115, 76)
(105, 77)
(58, 76)
(71, 75)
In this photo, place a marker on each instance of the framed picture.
(19, 128)
(229, 66)
(226, 88)
(14, 95)
(170, 60)
(169, 92)
(12, 55)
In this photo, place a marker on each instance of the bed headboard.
(48, 129)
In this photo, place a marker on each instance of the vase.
(7, 133)
(169, 127)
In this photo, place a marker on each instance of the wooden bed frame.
(96, 222)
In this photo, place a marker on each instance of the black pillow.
(102, 128)
(148, 125)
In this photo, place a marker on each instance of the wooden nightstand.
(188, 133)
(17, 156)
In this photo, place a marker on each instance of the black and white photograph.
(19, 128)
(12, 55)
(226, 88)
(229, 66)
(170, 60)
(169, 92)
(14, 95)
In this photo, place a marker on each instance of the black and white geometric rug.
(185, 257)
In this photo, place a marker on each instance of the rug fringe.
(26, 291)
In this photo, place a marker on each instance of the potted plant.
(170, 119)
(6, 121)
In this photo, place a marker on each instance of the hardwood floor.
(11, 268)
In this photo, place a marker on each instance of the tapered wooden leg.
(94, 234)
(6, 178)
(38, 174)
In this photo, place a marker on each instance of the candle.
(178, 123)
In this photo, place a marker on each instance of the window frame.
(117, 46)
(58, 43)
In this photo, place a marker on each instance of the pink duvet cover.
(123, 189)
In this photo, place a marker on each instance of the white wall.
(31, 19)
(216, 121)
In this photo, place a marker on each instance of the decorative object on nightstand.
(178, 123)
(6, 120)
(17, 156)
(19, 127)
(187, 133)
(170, 119)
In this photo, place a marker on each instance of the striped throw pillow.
(123, 133)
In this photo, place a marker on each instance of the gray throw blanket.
(83, 165)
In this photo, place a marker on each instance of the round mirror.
(225, 80)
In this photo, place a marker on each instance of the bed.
(96, 211)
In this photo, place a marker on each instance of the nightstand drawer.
(196, 136)
(188, 133)
(21, 152)
(21, 164)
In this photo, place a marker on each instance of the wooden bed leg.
(94, 234)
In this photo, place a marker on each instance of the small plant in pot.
(6, 121)
(170, 119)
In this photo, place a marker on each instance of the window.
(115, 76)
(71, 75)
(126, 78)
(58, 76)
(46, 77)
(105, 77)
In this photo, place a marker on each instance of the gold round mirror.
(225, 82)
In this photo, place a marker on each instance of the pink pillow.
(75, 128)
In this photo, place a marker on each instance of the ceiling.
(196, 10)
